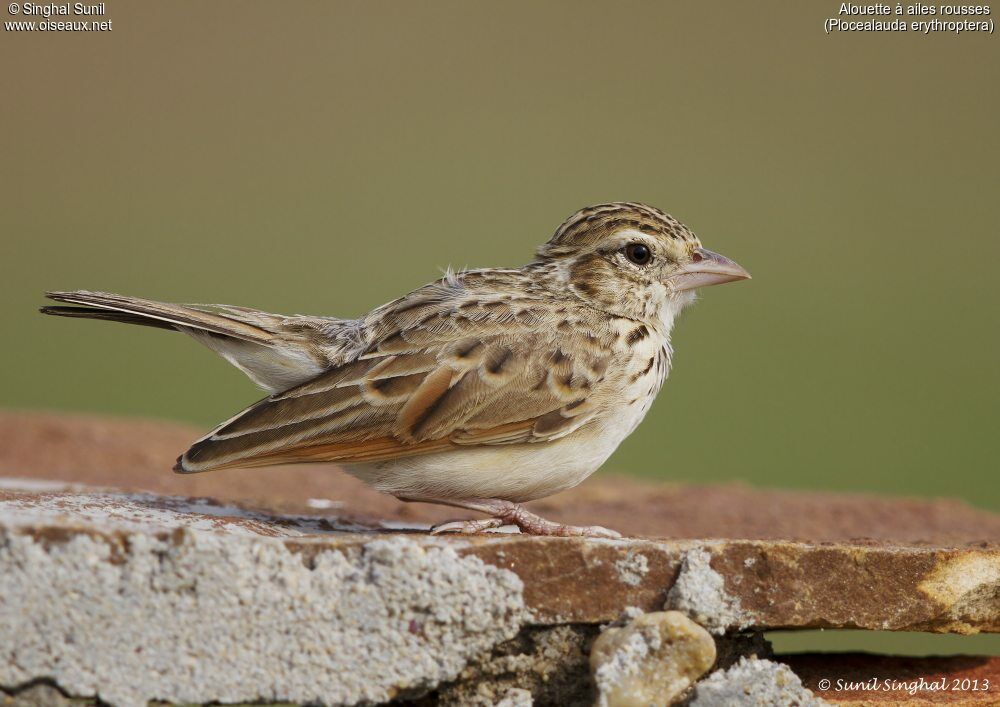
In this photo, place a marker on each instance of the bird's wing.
(445, 375)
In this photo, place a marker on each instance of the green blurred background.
(326, 157)
(323, 158)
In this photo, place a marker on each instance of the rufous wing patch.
(423, 402)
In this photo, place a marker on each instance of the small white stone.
(650, 662)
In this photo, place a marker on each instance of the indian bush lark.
(481, 390)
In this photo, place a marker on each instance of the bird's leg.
(509, 513)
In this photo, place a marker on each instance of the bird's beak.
(706, 268)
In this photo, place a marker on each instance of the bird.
(482, 390)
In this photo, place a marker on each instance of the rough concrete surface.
(216, 602)
(516, 697)
(297, 584)
(205, 615)
(551, 663)
(726, 585)
(700, 592)
(753, 682)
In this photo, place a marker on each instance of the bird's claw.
(596, 531)
(503, 513)
(526, 526)
(467, 527)
(570, 531)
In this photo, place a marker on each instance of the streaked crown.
(592, 224)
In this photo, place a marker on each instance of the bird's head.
(632, 259)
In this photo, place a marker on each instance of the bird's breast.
(645, 370)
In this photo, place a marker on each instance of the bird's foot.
(507, 513)
(532, 524)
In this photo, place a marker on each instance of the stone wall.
(303, 587)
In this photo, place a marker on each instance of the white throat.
(671, 307)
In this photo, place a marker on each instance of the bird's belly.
(516, 472)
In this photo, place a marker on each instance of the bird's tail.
(256, 342)
(134, 310)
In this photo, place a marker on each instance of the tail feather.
(120, 308)
(275, 352)
(106, 315)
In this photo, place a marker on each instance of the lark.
(482, 390)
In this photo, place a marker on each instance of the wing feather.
(457, 376)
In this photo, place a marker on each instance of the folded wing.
(448, 377)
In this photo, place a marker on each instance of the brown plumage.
(429, 396)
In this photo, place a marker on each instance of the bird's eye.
(638, 253)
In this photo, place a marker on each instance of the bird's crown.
(594, 224)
